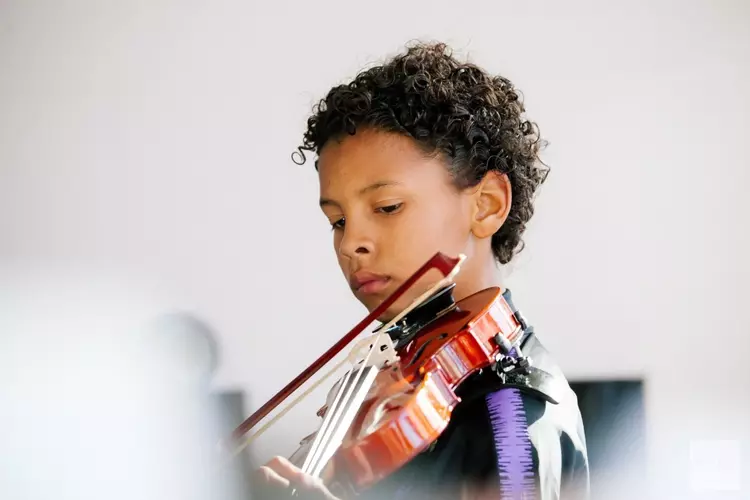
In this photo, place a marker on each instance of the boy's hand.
(279, 477)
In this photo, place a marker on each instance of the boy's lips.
(365, 282)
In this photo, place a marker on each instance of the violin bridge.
(383, 352)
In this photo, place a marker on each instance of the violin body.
(410, 402)
(397, 399)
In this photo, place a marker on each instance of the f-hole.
(421, 349)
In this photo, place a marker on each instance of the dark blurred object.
(100, 399)
(188, 349)
(232, 407)
(614, 420)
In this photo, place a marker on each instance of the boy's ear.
(492, 200)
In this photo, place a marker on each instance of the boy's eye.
(338, 224)
(390, 208)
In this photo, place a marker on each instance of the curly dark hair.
(473, 119)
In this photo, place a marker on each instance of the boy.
(426, 154)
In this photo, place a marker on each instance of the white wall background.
(153, 139)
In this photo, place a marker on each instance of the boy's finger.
(268, 476)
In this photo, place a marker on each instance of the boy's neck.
(480, 278)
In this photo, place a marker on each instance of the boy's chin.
(390, 313)
(386, 317)
(383, 318)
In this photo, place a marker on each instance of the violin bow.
(448, 266)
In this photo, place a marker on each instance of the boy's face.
(391, 209)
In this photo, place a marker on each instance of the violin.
(397, 398)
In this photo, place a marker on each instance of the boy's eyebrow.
(364, 190)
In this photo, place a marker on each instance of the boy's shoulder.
(521, 438)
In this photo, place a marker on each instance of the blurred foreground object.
(103, 396)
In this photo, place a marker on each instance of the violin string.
(330, 412)
(350, 413)
(319, 455)
(351, 356)
(338, 406)
(337, 417)
(345, 404)
(246, 442)
(324, 433)
(327, 419)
